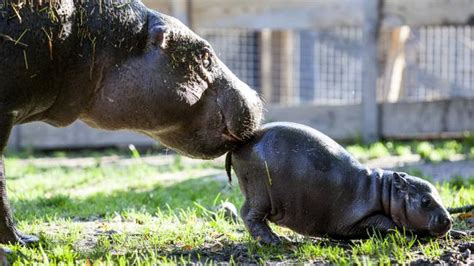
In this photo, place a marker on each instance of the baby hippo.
(297, 177)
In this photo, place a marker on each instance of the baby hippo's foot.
(261, 232)
(256, 223)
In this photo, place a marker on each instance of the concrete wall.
(427, 119)
(39, 135)
(401, 120)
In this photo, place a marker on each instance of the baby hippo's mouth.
(439, 234)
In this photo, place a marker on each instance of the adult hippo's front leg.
(8, 232)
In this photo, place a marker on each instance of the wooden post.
(266, 64)
(180, 10)
(371, 28)
(395, 64)
(282, 67)
(287, 57)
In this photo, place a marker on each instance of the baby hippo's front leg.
(378, 223)
(256, 222)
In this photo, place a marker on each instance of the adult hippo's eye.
(206, 58)
(425, 201)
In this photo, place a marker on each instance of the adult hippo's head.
(178, 92)
(416, 205)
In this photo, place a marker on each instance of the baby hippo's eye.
(425, 201)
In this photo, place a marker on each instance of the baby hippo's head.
(416, 205)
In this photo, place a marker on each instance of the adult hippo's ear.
(400, 182)
(158, 35)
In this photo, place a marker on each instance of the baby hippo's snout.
(441, 224)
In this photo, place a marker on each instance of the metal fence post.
(371, 28)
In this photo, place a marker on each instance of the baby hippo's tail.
(228, 165)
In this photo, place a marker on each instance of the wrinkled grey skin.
(116, 66)
(299, 178)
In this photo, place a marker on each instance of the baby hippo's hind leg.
(257, 224)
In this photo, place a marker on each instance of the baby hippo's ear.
(157, 36)
(400, 182)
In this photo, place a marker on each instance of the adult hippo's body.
(116, 65)
(297, 177)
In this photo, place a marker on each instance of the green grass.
(433, 151)
(142, 214)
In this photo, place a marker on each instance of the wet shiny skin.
(297, 177)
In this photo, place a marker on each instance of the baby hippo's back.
(301, 178)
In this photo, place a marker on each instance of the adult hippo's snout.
(227, 113)
(241, 109)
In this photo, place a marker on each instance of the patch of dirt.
(94, 228)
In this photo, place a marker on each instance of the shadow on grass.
(181, 195)
(253, 253)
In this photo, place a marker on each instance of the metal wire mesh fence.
(439, 63)
(332, 68)
(326, 65)
(239, 50)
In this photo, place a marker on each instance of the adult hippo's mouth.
(238, 131)
(228, 135)
(241, 110)
(228, 132)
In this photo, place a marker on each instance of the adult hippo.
(297, 177)
(116, 65)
